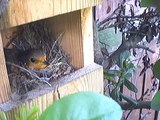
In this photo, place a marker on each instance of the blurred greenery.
(121, 77)
(150, 3)
(23, 114)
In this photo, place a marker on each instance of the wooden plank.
(149, 81)
(19, 12)
(89, 78)
(4, 81)
(78, 35)
(87, 35)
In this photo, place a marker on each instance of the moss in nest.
(38, 36)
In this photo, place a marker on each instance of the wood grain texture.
(19, 12)
(4, 81)
(89, 78)
(70, 25)
(87, 35)
(77, 40)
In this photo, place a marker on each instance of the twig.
(31, 73)
(55, 44)
(145, 48)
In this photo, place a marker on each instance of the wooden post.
(87, 35)
(4, 82)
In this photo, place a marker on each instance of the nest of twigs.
(38, 35)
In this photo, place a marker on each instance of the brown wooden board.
(4, 82)
(89, 78)
(19, 12)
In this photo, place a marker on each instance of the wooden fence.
(103, 11)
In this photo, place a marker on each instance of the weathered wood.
(89, 78)
(78, 35)
(19, 12)
(4, 82)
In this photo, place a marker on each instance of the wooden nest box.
(74, 17)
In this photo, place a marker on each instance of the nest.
(38, 35)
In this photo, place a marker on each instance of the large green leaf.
(156, 69)
(83, 106)
(111, 40)
(130, 86)
(155, 103)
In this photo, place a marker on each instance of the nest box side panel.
(77, 38)
(19, 12)
(4, 81)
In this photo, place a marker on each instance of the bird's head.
(34, 59)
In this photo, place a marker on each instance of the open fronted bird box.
(74, 18)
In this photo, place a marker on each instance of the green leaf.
(111, 74)
(155, 103)
(23, 113)
(17, 117)
(130, 86)
(122, 58)
(115, 94)
(3, 116)
(31, 114)
(150, 3)
(147, 3)
(156, 69)
(128, 99)
(83, 106)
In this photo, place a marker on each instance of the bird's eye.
(33, 60)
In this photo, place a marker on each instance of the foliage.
(126, 68)
(155, 104)
(3, 116)
(150, 3)
(83, 106)
(79, 106)
(156, 70)
(137, 30)
(23, 114)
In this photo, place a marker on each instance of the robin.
(32, 58)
